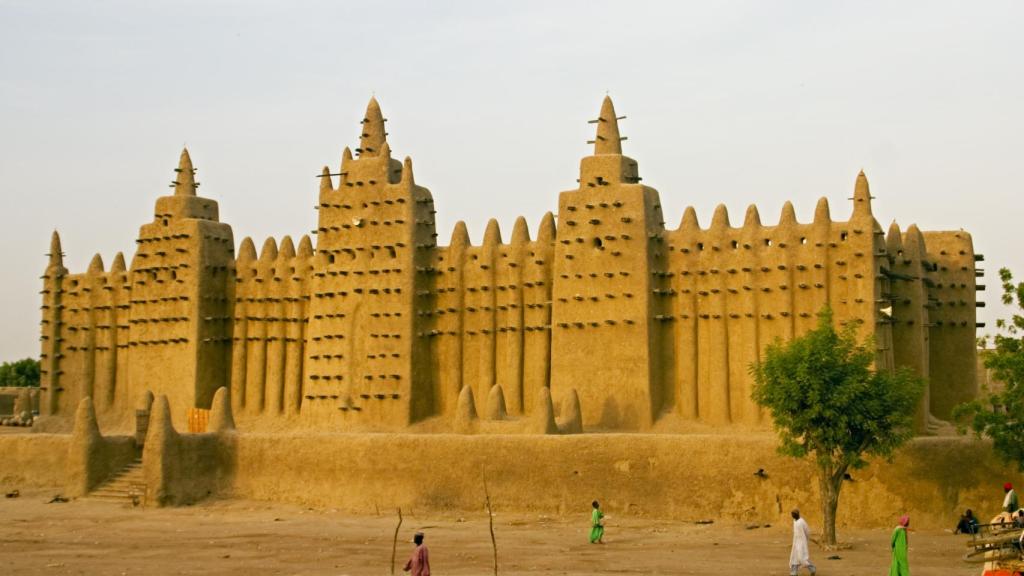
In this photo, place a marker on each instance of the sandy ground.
(244, 537)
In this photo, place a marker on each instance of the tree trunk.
(829, 481)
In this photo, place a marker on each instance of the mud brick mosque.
(603, 316)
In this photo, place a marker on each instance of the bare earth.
(244, 537)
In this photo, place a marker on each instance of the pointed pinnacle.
(185, 176)
(861, 195)
(56, 254)
(118, 264)
(305, 247)
(607, 140)
(373, 137)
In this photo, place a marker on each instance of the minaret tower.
(605, 337)
(50, 337)
(366, 358)
(179, 321)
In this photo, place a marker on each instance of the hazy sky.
(731, 102)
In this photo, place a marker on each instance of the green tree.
(20, 373)
(829, 404)
(1000, 415)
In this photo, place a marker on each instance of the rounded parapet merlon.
(496, 404)
(547, 230)
(571, 421)
(305, 247)
(246, 251)
(543, 419)
(894, 240)
(720, 219)
(95, 266)
(222, 418)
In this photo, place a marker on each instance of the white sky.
(733, 102)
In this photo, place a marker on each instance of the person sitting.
(968, 523)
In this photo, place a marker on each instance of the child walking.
(596, 524)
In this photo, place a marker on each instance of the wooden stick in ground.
(394, 543)
(490, 522)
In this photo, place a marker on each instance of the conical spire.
(373, 135)
(96, 265)
(913, 243)
(546, 231)
(861, 196)
(221, 417)
(118, 264)
(607, 140)
(520, 232)
(894, 239)
(720, 219)
(269, 251)
(460, 235)
(571, 421)
(752, 217)
(246, 250)
(287, 249)
(788, 216)
(492, 234)
(325, 180)
(821, 211)
(56, 254)
(305, 247)
(689, 221)
(407, 177)
(185, 178)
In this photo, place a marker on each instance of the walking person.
(596, 524)
(419, 561)
(800, 555)
(898, 543)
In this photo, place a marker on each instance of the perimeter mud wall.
(685, 478)
(675, 477)
(33, 460)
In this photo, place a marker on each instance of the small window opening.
(598, 244)
(767, 241)
(700, 246)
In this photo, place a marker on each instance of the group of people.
(799, 556)
(968, 523)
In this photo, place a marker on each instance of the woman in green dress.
(596, 524)
(898, 543)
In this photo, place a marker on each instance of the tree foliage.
(20, 373)
(828, 403)
(1000, 415)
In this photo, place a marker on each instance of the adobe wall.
(33, 460)
(681, 477)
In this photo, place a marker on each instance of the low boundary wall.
(683, 477)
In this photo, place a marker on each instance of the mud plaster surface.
(243, 537)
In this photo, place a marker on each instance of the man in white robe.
(800, 555)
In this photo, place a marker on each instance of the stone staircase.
(127, 486)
